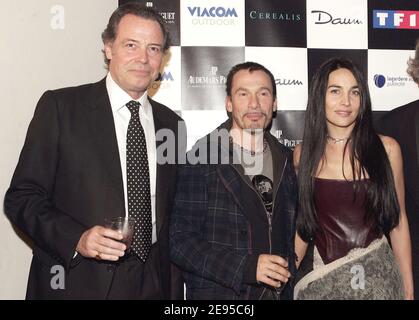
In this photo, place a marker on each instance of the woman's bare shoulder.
(390, 144)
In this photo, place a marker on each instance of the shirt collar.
(119, 98)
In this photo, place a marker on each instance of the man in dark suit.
(75, 167)
(402, 124)
(232, 228)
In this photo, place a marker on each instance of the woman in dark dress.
(351, 195)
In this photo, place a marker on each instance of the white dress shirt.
(121, 115)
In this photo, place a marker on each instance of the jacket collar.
(232, 175)
(102, 130)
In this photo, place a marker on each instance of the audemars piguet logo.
(210, 80)
(168, 16)
(291, 143)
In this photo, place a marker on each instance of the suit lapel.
(417, 135)
(163, 172)
(102, 130)
(232, 182)
(278, 160)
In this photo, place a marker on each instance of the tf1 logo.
(395, 19)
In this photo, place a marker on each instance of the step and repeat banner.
(291, 38)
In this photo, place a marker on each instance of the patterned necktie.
(138, 183)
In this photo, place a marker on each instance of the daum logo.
(288, 82)
(379, 80)
(323, 17)
(213, 12)
(395, 19)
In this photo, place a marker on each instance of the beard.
(253, 126)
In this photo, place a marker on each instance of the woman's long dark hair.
(366, 151)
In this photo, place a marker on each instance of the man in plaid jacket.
(233, 223)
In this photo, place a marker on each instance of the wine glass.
(125, 226)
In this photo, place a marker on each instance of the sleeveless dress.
(352, 258)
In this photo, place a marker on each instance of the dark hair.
(134, 8)
(251, 66)
(413, 65)
(366, 151)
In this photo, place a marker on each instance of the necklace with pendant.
(253, 153)
(336, 140)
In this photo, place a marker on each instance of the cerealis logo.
(276, 16)
(213, 15)
(379, 80)
(395, 19)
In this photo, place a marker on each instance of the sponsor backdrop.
(56, 43)
(290, 37)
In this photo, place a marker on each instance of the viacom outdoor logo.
(213, 15)
(390, 81)
(164, 81)
(395, 19)
(166, 76)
